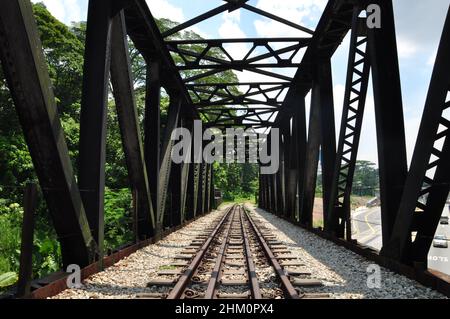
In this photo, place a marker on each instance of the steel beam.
(321, 142)
(358, 71)
(226, 7)
(300, 154)
(185, 170)
(330, 32)
(280, 175)
(122, 83)
(27, 240)
(25, 70)
(192, 196)
(262, 190)
(208, 189)
(428, 183)
(201, 189)
(152, 134)
(94, 107)
(212, 191)
(390, 126)
(178, 186)
(290, 170)
(269, 193)
(166, 159)
(144, 32)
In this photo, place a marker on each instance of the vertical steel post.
(390, 126)
(185, 170)
(428, 183)
(299, 153)
(121, 79)
(94, 104)
(25, 69)
(193, 182)
(358, 71)
(26, 248)
(201, 188)
(166, 152)
(321, 142)
(152, 135)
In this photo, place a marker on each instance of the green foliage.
(64, 52)
(118, 221)
(236, 181)
(46, 257)
(365, 180)
(10, 230)
(15, 161)
(8, 279)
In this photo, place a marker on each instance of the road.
(366, 224)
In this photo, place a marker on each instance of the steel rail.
(251, 269)
(287, 286)
(182, 283)
(215, 274)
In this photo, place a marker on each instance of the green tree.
(64, 53)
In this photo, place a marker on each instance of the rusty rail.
(286, 284)
(253, 279)
(182, 283)
(215, 275)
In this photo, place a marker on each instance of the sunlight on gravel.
(343, 273)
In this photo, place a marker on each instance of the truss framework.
(411, 200)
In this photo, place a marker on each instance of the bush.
(118, 220)
(10, 232)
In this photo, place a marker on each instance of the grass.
(249, 200)
(318, 223)
(167, 267)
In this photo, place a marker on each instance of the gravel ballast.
(130, 276)
(343, 273)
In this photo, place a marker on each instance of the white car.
(440, 241)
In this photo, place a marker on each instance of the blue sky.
(419, 24)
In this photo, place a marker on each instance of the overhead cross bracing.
(247, 104)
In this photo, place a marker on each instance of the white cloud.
(432, 59)
(300, 12)
(406, 48)
(66, 11)
(163, 9)
(412, 125)
(230, 28)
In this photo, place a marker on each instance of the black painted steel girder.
(252, 59)
(27, 77)
(331, 30)
(234, 116)
(428, 183)
(205, 75)
(225, 94)
(230, 6)
(92, 146)
(391, 141)
(121, 79)
(143, 31)
(358, 71)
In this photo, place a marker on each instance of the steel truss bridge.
(412, 198)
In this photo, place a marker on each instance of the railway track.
(234, 258)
